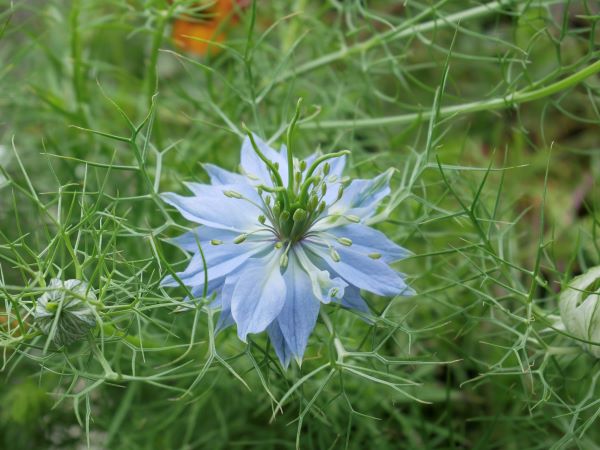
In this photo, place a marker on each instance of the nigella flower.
(282, 238)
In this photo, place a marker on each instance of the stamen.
(353, 218)
(334, 254)
(232, 194)
(374, 255)
(283, 261)
(216, 242)
(345, 241)
(241, 238)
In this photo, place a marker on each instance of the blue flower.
(283, 237)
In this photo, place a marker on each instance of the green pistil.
(290, 156)
(292, 209)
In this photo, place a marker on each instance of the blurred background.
(105, 103)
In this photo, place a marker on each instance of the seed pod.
(580, 309)
(68, 304)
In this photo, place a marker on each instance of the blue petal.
(221, 176)
(363, 272)
(362, 197)
(202, 235)
(258, 296)
(324, 288)
(299, 314)
(254, 168)
(204, 191)
(225, 318)
(282, 350)
(353, 300)
(220, 261)
(367, 240)
(215, 210)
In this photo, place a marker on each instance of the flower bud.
(303, 165)
(326, 169)
(580, 309)
(68, 304)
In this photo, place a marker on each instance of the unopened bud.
(321, 208)
(340, 193)
(324, 189)
(262, 219)
(70, 300)
(284, 216)
(303, 165)
(326, 169)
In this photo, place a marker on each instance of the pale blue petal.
(362, 197)
(353, 300)
(299, 314)
(363, 272)
(225, 317)
(337, 166)
(216, 210)
(258, 296)
(203, 191)
(282, 350)
(254, 168)
(324, 288)
(367, 240)
(202, 235)
(221, 176)
(220, 261)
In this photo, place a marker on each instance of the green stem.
(513, 99)
(111, 330)
(290, 156)
(402, 31)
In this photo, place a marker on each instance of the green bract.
(580, 309)
(64, 312)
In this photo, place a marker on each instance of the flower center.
(294, 208)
